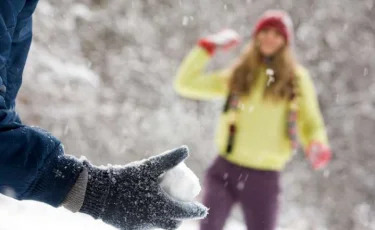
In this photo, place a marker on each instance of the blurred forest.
(100, 77)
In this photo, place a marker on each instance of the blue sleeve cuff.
(54, 179)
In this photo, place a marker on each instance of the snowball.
(181, 183)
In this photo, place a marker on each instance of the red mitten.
(224, 40)
(318, 154)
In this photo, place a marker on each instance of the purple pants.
(257, 191)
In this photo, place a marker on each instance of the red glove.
(318, 154)
(224, 40)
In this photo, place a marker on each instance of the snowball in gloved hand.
(181, 183)
(129, 197)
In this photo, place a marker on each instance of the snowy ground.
(15, 215)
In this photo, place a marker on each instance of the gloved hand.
(129, 197)
(319, 155)
(224, 40)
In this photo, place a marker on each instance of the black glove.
(129, 197)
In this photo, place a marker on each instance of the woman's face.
(270, 41)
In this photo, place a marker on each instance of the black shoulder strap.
(227, 103)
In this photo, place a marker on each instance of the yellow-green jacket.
(261, 139)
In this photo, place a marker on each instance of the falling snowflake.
(225, 176)
(185, 20)
(58, 173)
(240, 185)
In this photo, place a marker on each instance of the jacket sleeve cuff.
(208, 46)
(97, 190)
(76, 196)
(55, 178)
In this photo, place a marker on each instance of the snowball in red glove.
(318, 154)
(224, 40)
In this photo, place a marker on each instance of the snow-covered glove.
(224, 40)
(318, 154)
(129, 197)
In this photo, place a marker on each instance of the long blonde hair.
(247, 69)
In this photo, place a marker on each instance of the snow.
(181, 183)
(65, 71)
(224, 37)
(16, 215)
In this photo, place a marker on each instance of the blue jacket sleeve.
(32, 162)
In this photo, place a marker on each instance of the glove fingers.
(188, 210)
(168, 160)
(169, 224)
(231, 44)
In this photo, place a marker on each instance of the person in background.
(34, 167)
(270, 98)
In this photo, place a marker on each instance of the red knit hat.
(277, 19)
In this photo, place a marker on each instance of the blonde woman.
(270, 102)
